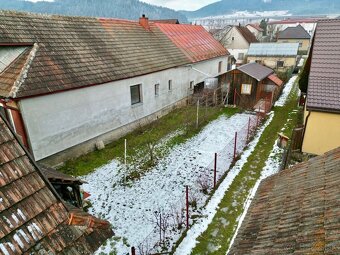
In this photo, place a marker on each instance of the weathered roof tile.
(32, 217)
(295, 211)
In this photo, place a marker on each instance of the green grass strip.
(217, 237)
(138, 140)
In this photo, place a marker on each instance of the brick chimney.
(144, 22)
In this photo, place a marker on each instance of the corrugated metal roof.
(255, 70)
(297, 32)
(324, 79)
(273, 49)
(295, 211)
(197, 43)
(74, 52)
(33, 219)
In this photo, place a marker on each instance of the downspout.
(304, 130)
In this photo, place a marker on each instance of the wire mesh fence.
(170, 223)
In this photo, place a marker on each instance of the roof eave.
(322, 109)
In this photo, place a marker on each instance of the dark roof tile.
(247, 35)
(324, 79)
(255, 70)
(32, 217)
(295, 211)
(297, 32)
(74, 52)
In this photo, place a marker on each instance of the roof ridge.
(23, 73)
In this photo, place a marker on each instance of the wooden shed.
(254, 86)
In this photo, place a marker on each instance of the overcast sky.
(190, 5)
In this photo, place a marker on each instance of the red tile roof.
(33, 218)
(256, 26)
(323, 93)
(275, 79)
(197, 43)
(295, 211)
(294, 21)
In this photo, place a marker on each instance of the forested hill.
(296, 7)
(125, 9)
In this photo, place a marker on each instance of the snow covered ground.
(195, 231)
(285, 93)
(130, 209)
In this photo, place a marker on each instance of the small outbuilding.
(254, 86)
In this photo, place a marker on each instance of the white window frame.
(246, 89)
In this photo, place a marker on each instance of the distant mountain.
(296, 7)
(125, 9)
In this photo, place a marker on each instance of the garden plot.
(131, 208)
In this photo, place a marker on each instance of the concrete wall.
(304, 43)
(271, 62)
(322, 132)
(60, 121)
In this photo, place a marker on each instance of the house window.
(258, 61)
(240, 56)
(135, 92)
(157, 89)
(191, 86)
(300, 44)
(170, 85)
(280, 64)
(246, 89)
(233, 38)
(220, 66)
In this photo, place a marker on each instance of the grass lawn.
(144, 146)
(217, 237)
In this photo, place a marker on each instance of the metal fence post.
(215, 168)
(248, 130)
(235, 144)
(187, 204)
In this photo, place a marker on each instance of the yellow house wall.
(271, 62)
(322, 132)
(305, 43)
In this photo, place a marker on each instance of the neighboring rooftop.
(273, 49)
(295, 211)
(247, 35)
(323, 92)
(255, 70)
(33, 219)
(297, 32)
(166, 21)
(72, 52)
(194, 41)
(256, 26)
(294, 21)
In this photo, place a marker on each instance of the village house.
(33, 217)
(257, 31)
(296, 35)
(254, 86)
(295, 211)
(237, 40)
(278, 56)
(322, 108)
(86, 81)
(276, 26)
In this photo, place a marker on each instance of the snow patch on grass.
(189, 242)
